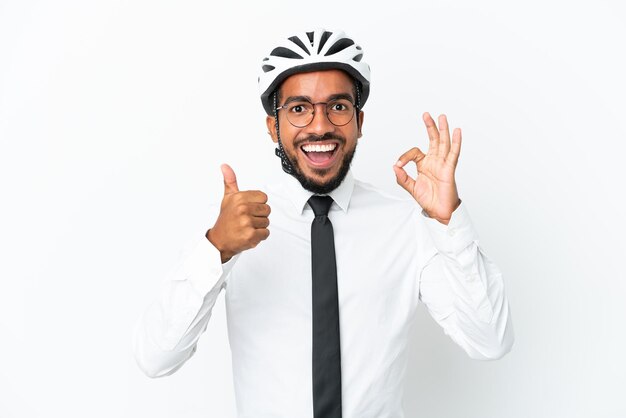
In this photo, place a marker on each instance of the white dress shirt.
(390, 256)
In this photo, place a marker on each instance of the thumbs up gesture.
(243, 219)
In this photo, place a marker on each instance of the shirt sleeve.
(463, 289)
(166, 335)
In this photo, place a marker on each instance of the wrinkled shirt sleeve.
(166, 335)
(463, 290)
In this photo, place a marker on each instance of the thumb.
(230, 180)
(403, 179)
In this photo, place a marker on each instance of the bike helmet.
(312, 51)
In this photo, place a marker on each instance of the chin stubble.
(327, 187)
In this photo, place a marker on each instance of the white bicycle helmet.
(312, 51)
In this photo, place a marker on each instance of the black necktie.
(326, 348)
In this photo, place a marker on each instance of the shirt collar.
(299, 196)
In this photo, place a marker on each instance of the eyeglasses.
(301, 113)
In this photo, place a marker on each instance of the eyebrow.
(332, 97)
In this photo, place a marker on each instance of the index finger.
(255, 196)
(259, 209)
(414, 154)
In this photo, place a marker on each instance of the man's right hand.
(243, 218)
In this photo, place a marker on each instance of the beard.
(330, 185)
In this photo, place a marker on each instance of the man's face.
(319, 172)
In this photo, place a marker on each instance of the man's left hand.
(434, 189)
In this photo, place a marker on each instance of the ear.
(271, 128)
(361, 114)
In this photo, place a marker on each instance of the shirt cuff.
(203, 267)
(451, 239)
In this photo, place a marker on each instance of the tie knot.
(320, 204)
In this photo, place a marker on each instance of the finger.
(444, 136)
(455, 149)
(433, 134)
(414, 154)
(259, 222)
(253, 196)
(230, 180)
(261, 234)
(403, 179)
(259, 209)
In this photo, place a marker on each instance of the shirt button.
(451, 232)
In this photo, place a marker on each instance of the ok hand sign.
(434, 189)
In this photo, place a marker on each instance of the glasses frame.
(356, 108)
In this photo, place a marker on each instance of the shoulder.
(368, 196)
(282, 197)
(277, 191)
(366, 190)
(398, 213)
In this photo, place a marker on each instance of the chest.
(376, 265)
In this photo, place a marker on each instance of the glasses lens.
(340, 112)
(300, 114)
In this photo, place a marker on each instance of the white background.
(115, 116)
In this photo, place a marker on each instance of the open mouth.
(320, 154)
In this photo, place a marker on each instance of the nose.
(320, 123)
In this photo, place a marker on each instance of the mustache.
(319, 138)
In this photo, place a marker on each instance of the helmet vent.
(340, 45)
(310, 36)
(323, 40)
(283, 52)
(316, 50)
(298, 42)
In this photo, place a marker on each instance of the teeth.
(319, 148)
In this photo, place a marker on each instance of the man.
(319, 311)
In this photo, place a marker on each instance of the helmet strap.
(358, 101)
(280, 151)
